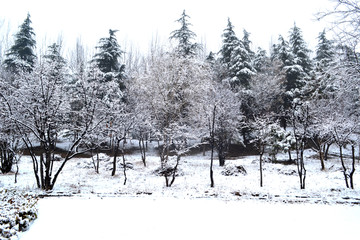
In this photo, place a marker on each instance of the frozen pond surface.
(172, 218)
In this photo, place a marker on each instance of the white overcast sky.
(138, 21)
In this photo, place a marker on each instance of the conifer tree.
(261, 60)
(54, 57)
(185, 37)
(324, 49)
(229, 43)
(247, 43)
(21, 56)
(281, 52)
(236, 58)
(295, 59)
(290, 54)
(299, 49)
(108, 59)
(211, 58)
(240, 67)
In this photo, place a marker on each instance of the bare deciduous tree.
(39, 109)
(172, 88)
(344, 18)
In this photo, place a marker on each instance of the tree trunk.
(175, 170)
(7, 159)
(116, 152)
(163, 153)
(327, 151)
(166, 179)
(142, 150)
(321, 155)
(42, 170)
(48, 163)
(97, 162)
(36, 170)
(17, 169)
(211, 166)
(289, 152)
(351, 175)
(244, 132)
(146, 141)
(344, 167)
(320, 147)
(212, 143)
(124, 163)
(302, 166)
(221, 152)
(221, 158)
(300, 163)
(221, 161)
(262, 148)
(34, 161)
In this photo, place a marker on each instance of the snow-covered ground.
(101, 207)
(171, 218)
(281, 182)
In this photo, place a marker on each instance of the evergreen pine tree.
(247, 44)
(293, 60)
(274, 52)
(185, 36)
(261, 60)
(299, 49)
(293, 71)
(229, 43)
(324, 50)
(21, 56)
(281, 52)
(318, 86)
(108, 59)
(53, 56)
(211, 59)
(236, 58)
(240, 67)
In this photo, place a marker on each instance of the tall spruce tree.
(299, 49)
(325, 55)
(295, 59)
(108, 59)
(229, 43)
(281, 52)
(54, 57)
(236, 58)
(247, 43)
(324, 50)
(261, 60)
(286, 52)
(21, 56)
(186, 47)
(240, 68)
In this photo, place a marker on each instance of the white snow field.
(98, 206)
(171, 218)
